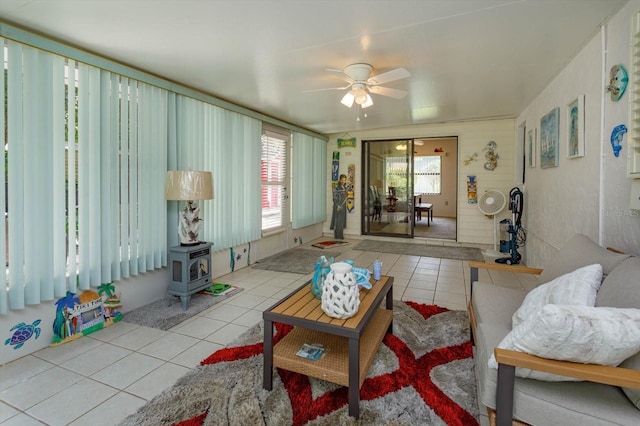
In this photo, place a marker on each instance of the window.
(273, 167)
(427, 175)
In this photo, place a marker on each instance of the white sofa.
(606, 396)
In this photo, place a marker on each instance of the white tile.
(39, 387)
(96, 359)
(160, 378)
(22, 420)
(116, 330)
(455, 288)
(69, 404)
(249, 319)
(6, 412)
(127, 370)
(105, 414)
(418, 295)
(196, 353)
(227, 334)
(66, 351)
(450, 300)
(226, 312)
(266, 304)
(21, 369)
(265, 290)
(199, 327)
(426, 271)
(247, 301)
(168, 346)
(138, 337)
(422, 284)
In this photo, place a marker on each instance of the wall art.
(575, 128)
(549, 135)
(531, 147)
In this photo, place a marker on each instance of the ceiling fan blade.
(327, 88)
(386, 77)
(387, 91)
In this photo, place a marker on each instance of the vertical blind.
(309, 180)
(228, 145)
(84, 150)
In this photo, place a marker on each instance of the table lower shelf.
(334, 365)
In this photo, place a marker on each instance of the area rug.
(422, 375)
(167, 312)
(330, 243)
(296, 260)
(425, 250)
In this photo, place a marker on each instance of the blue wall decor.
(618, 80)
(22, 333)
(616, 138)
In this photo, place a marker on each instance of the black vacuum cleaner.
(514, 229)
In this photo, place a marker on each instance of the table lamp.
(189, 186)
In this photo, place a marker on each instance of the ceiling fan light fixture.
(368, 102)
(401, 147)
(347, 100)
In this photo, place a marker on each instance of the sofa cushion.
(574, 333)
(577, 252)
(621, 288)
(575, 288)
(543, 403)
(484, 308)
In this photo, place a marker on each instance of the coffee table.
(351, 344)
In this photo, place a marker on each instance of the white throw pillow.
(574, 333)
(579, 287)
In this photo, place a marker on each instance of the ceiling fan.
(362, 84)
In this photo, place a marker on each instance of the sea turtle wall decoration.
(22, 333)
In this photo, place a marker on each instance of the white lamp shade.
(189, 185)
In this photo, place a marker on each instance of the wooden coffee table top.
(301, 308)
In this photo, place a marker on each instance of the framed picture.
(575, 128)
(531, 147)
(549, 135)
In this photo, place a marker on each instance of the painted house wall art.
(549, 139)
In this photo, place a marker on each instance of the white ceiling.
(468, 59)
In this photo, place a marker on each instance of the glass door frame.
(392, 212)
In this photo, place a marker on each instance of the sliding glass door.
(388, 188)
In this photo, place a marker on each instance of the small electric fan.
(491, 203)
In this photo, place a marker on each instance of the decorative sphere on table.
(340, 292)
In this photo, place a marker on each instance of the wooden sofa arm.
(615, 376)
(518, 269)
(508, 361)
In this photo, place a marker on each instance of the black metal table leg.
(267, 378)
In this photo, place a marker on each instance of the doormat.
(330, 243)
(296, 260)
(167, 312)
(424, 250)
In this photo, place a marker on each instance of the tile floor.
(126, 364)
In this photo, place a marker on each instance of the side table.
(190, 270)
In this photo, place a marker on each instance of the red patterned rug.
(422, 375)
